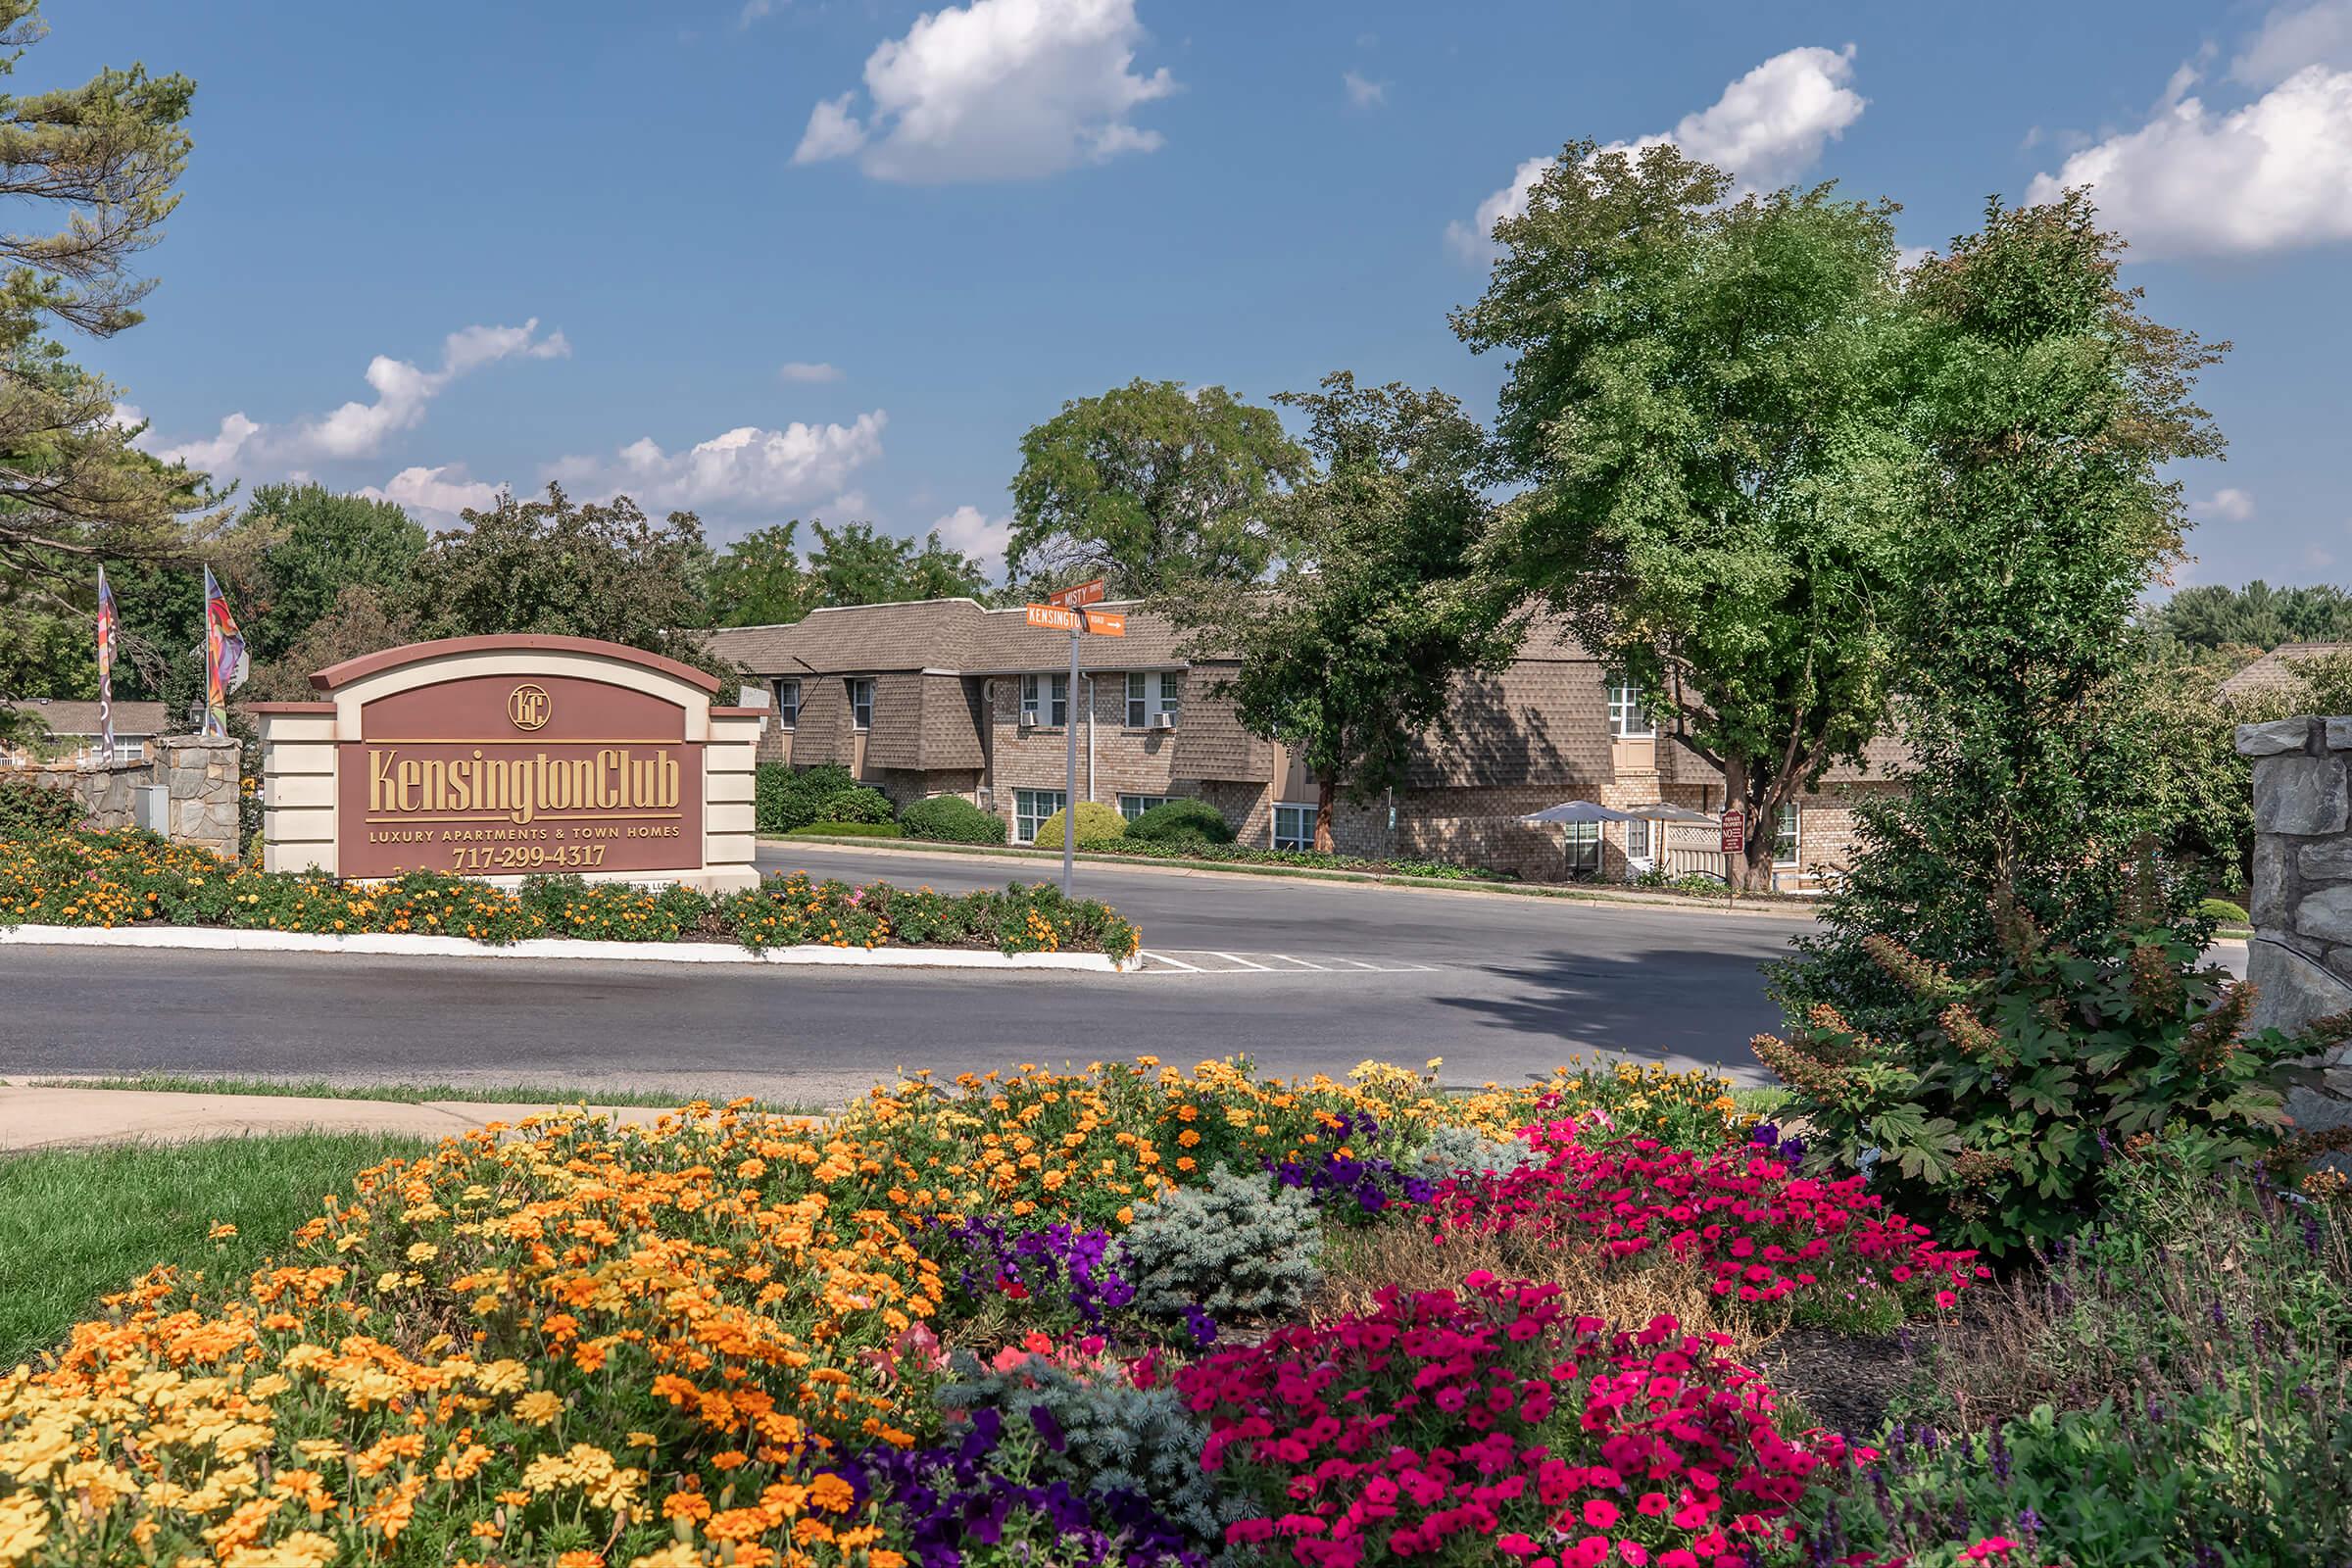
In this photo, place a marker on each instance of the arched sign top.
(351, 669)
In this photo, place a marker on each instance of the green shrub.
(1097, 826)
(1179, 820)
(1237, 1247)
(1995, 1121)
(951, 819)
(2220, 912)
(1453, 1150)
(785, 798)
(858, 804)
(29, 810)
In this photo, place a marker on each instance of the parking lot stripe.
(1300, 962)
(1173, 963)
(1246, 963)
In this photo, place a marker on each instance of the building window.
(1132, 806)
(788, 703)
(1627, 720)
(1030, 809)
(862, 701)
(1142, 704)
(1584, 845)
(1294, 827)
(1783, 839)
(1045, 700)
(1636, 839)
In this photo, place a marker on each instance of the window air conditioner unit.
(1163, 721)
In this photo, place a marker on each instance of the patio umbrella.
(1579, 812)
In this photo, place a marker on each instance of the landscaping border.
(219, 939)
(1783, 905)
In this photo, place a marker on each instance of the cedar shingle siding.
(947, 720)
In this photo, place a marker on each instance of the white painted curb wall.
(216, 938)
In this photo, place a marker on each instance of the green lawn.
(78, 1223)
(409, 1094)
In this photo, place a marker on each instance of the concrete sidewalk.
(56, 1118)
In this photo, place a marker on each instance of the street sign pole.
(1069, 783)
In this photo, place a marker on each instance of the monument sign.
(509, 756)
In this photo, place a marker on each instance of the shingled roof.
(2272, 672)
(81, 718)
(959, 635)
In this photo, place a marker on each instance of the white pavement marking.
(1300, 962)
(1171, 963)
(1246, 963)
(1214, 960)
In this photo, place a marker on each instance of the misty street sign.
(1083, 594)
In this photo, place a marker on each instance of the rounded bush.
(858, 804)
(1096, 824)
(952, 819)
(2222, 913)
(786, 798)
(1173, 822)
(1237, 1248)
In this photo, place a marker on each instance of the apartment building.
(947, 697)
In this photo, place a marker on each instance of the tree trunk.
(1739, 871)
(1325, 792)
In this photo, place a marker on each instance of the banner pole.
(1069, 790)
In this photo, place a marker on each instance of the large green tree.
(760, 581)
(2257, 616)
(90, 171)
(319, 544)
(1705, 406)
(555, 566)
(1352, 652)
(853, 564)
(1150, 485)
(2048, 409)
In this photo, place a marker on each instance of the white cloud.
(358, 429)
(996, 90)
(756, 9)
(2228, 505)
(2271, 176)
(747, 469)
(805, 371)
(1768, 127)
(442, 491)
(2293, 37)
(1362, 92)
(975, 533)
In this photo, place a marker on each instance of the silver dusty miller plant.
(1240, 1248)
(1460, 1151)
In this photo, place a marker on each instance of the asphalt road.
(1302, 977)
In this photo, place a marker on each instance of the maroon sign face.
(497, 776)
(1735, 833)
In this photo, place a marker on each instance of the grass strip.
(77, 1224)
(410, 1094)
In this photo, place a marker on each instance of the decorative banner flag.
(223, 659)
(106, 671)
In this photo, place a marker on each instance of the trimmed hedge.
(1180, 820)
(952, 819)
(785, 798)
(1098, 827)
(858, 804)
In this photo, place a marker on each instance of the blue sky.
(824, 257)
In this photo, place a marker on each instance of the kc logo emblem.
(528, 705)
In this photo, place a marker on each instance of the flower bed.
(964, 1326)
(128, 878)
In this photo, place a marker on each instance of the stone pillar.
(2300, 960)
(203, 777)
(728, 763)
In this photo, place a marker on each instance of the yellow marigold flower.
(304, 1549)
(538, 1407)
(682, 1555)
(220, 1232)
(24, 1526)
(831, 1493)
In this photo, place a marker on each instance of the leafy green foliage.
(2258, 615)
(1150, 485)
(1239, 1247)
(601, 569)
(2049, 406)
(2220, 912)
(857, 804)
(29, 810)
(1706, 404)
(853, 565)
(784, 798)
(1179, 820)
(1994, 1117)
(951, 819)
(1099, 826)
(1353, 654)
(322, 544)
(760, 581)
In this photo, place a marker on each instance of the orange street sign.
(1055, 619)
(1085, 593)
(1105, 622)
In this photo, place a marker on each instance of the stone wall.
(2300, 960)
(200, 775)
